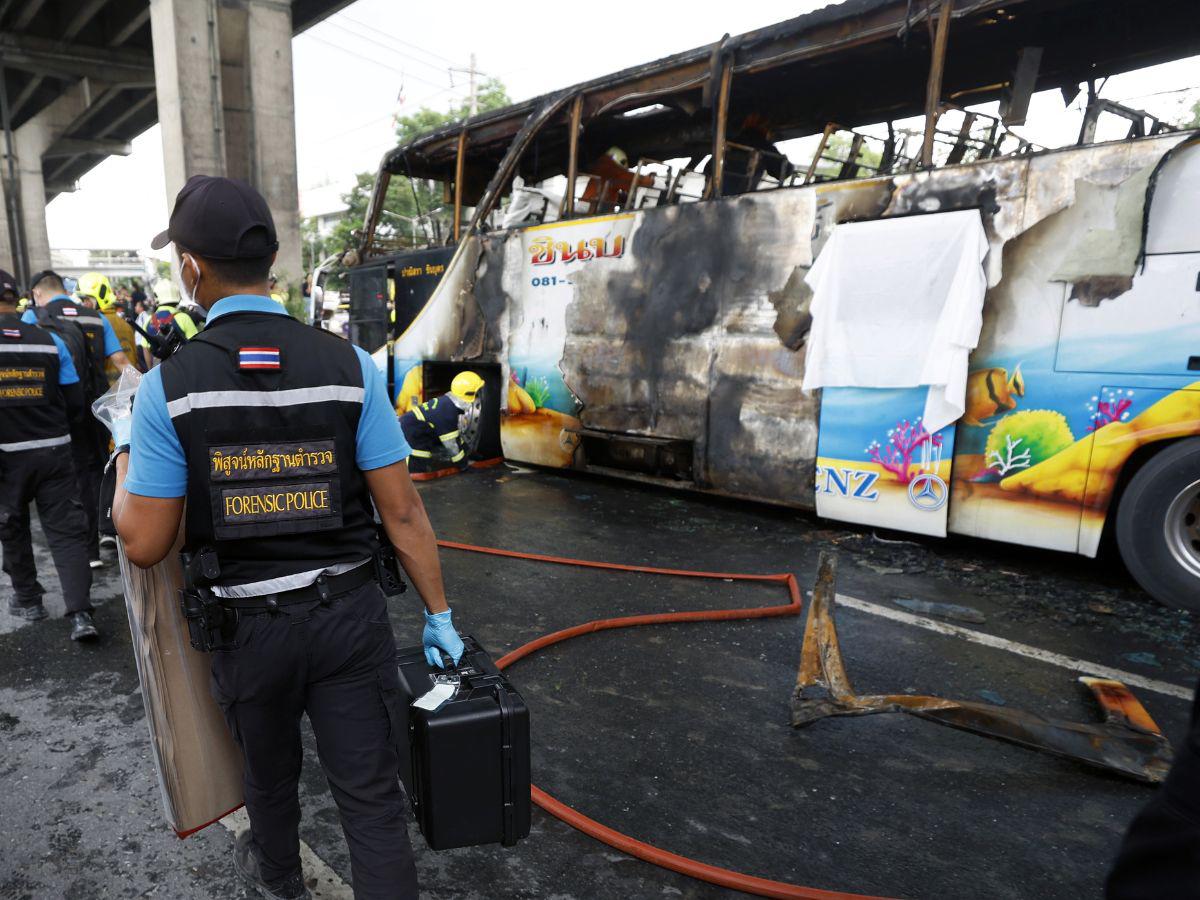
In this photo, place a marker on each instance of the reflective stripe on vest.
(293, 397)
(29, 348)
(36, 445)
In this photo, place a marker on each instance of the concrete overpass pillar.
(30, 141)
(225, 102)
(8, 252)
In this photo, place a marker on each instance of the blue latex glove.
(440, 635)
(121, 430)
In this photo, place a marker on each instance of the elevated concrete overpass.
(79, 79)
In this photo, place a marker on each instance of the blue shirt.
(111, 344)
(66, 365)
(157, 465)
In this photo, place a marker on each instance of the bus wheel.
(1158, 525)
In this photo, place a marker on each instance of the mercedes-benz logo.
(927, 492)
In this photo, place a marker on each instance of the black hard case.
(465, 766)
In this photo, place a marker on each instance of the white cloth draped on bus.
(899, 303)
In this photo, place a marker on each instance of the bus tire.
(1158, 525)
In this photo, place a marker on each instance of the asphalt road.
(677, 735)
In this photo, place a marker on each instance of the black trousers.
(87, 451)
(46, 476)
(337, 662)
(1160, 856)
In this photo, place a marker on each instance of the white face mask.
(185, 295)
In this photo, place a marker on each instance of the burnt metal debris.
(1127, 742)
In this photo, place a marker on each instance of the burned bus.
(630, 261)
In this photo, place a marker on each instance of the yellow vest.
(124, 332)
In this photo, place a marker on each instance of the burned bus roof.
(855, 63)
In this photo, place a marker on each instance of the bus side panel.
(697, 336)
(1165, 415)
(1049, 421)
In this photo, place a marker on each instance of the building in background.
(74, 262)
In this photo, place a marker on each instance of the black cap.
(8, 283)
(220, 218)
(38, 276)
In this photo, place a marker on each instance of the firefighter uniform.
(435, 423)
(266, 426)
(89, 440)
(96, 286)
(168, 316)
(36, 377)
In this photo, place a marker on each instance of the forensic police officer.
(39, 393)
(434, 423)
(280, 437)
(55, 310)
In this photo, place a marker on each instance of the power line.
(358, 54)
(420, 49)
(439, 69)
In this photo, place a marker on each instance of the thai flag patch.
(13, 333)
(69, 310)
(258, 357)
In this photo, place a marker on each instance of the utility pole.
(474, 107)
(472, 94)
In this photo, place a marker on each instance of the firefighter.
(96, 286)
(39, 394)
(611, 182)
(287, 548)
(93, 344)
(434, 423)
(170, 316)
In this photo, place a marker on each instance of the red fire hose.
(727, 878)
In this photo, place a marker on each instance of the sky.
(379, 58)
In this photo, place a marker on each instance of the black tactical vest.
(91, 376)
(33, 413)
(267, 410)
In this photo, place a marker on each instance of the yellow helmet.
(466, 385)
(93, 284)
(619, 156)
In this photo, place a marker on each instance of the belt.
(323, 589)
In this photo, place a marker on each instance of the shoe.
(34, 612)
(245, 861)
(96, 563)
(109, 541)
(83, 628)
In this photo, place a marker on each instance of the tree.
(407, 199)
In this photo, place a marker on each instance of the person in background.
(433, 424)
(144, 321)
(39, 395)
(744, 168)
(92, 343)
(169, 314)
(278, 291)
(612, 182)
(138, 294)
(96, 287)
